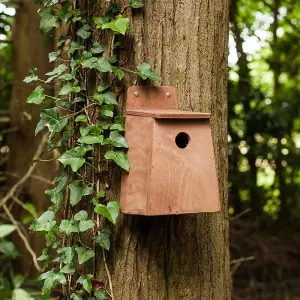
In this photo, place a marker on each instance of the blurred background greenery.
(263, 144)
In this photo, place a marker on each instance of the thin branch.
(22, 236)
(240, 214)
(240, 260)
(108, 275)
(15, 187)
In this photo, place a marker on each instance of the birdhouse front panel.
(171, 155)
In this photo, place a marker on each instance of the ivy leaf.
(9, 249)
(90, 63)
(92, 129)
(81, 118)
(91, 139)
(78, 295)
(73, 47)
(118, 25)
(53, 56)
(86, 282)
(144, 71)
(67, 254)
(50, 279)
(84, 31)
(86, 225)
(50, 117)
(84, 254)
(6, 229)
(74, 158)
(107, 110)
(44, 223)
(40, 126)
(103, 238)
(36, 96)
(136, 4)
(48, 19)
(117, 126)
(119, 72)
(69, 88)
(103, 65)
(100, 21)
(110, 212)
(66, 77)
(119, 157)
(78, 189)
(19, 294)
(117, 139)
(69, 226)
(51, 236)
(68, 269)
(56, 72)
(44, 256)
(56, 196)
(97, 48)
(107, 97)
(32, 76)
(81, 216)
(101, 294)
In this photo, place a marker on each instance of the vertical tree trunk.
(178, 257)
(30, 50)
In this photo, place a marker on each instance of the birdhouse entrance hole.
(182, 140)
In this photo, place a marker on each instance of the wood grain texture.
(151, 188)
(186, 256)
(169, 114)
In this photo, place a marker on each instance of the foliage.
(80, 120)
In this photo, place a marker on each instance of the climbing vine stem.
(80, 120)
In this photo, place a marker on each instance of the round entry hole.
(182, 140)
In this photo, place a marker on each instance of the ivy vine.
(79, 122)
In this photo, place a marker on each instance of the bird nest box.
(171, 155)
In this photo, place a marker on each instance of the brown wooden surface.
(151, 188)
(169, 114)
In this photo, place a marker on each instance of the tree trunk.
(30, 50)
(185, 256)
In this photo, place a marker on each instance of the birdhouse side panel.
(135, 184)
(183, 172)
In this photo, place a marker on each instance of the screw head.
(136, 94)
(168, 95)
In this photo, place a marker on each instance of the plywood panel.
(182, 180)
(135, 184)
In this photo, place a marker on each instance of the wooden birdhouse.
(171, 155)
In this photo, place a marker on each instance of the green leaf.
(144, 71)
(91, 129)
(44, 255)
(52, 120)
(117, 140)
(53, 56)
(36, 96)
(81, 118)
(20, 294)
(48, 19)
(100, 21)
(107, 110)
(118, 25)
(56, 72)
(103, 65)
(69, 88)
(50, 279)
(119, 72)
(73, 47)
(44, 223)
(81, 216)
(74, 158)
(103, 238)
(86, 282)
(90, 63)
(67, 254)
(6, 229)
(97, 49)
(110, 212)
(86, 225)
(107, 97)
(78, 189)
(68, 269)
(40, 126)
(91, 139)
(66, 77)
(32, 77)
(84, 31)
(136, 4)
(117, 126)
(119, 157)
(69, 226)
(84, 254)
(101, 294)
(51, 236)
(9, 249)
(56, 196)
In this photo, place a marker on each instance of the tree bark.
(30, 50)
(186, 256)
